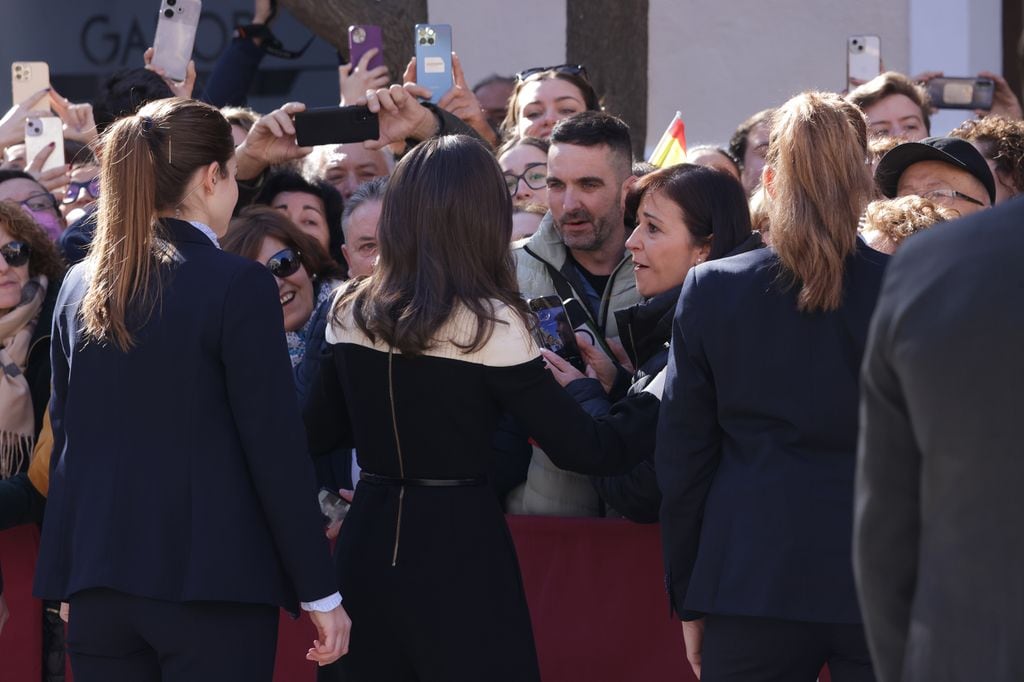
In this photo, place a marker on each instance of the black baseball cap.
(954, 151)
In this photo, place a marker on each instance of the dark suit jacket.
(939, 541)
(180, 469)
(757, 439)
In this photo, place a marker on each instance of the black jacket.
(645, 330)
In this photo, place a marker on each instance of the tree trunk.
(330, 20)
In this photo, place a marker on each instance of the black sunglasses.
(16, 253)
(572, 69)
(92, 188)
(284, 263)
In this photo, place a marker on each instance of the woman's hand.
(52, 179)
(459, 100)
(179, 88)
(399, 114)
(563, 372)
(1004, 102)
(693, 639)
(355, 81)
(12, 125)
(602, 366)
(79, 123)
(270, 141)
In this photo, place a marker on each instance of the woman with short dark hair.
(312, 204)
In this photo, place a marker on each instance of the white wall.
(503, 36)
(957, 37)
(720, 62)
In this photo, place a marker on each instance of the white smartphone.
(41, 131)
(863, 59)
(175, 36)
(28, 78)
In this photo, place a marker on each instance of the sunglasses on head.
(572, 69)
(284, 263)
(16, 253)
(92, 188)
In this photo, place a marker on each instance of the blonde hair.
(897, 219)
(148, 160)
(820, 185)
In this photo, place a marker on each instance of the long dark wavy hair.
(445, 224)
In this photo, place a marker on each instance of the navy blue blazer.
(757, 440)
(180, 469)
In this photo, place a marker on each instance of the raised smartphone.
(175, 36)
(361, 39)
(434, 59)
(28, 78)
(41, 131)
(863, 59)
(969, 92)
(335, 125)
(554, 330)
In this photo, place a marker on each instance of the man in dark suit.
(940, 510)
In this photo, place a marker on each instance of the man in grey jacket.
(938, 547)
(579, 252)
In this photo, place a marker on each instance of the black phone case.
(335, 125)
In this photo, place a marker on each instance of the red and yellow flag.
(671, 148)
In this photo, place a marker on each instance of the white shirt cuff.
(328, 603)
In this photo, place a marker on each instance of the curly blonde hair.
(896, 219)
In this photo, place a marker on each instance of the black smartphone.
(335, 125)
(554, 330)
(961, 93)
(581, 324)
(332, 506)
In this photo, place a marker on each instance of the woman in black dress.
(425, 355)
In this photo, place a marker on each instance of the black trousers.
(115, 637)
(744, 649)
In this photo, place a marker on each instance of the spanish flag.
(671, 147)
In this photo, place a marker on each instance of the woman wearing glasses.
(181, 512)
(18, 187)
(304, 273)
(543, 96)
(524, 162)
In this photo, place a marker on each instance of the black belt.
(377, 479)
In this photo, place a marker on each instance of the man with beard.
(579, 252)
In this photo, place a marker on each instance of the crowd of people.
(203, 323)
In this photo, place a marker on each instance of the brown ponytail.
(819, 188)
(147, 163)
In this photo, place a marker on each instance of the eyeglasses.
(940, 194)
(535, 176)
(16, 253)
(43, 201)
(571, 69)
(284, 263)
(92, 188)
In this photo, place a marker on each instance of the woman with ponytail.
(181, 510)
(758, 427)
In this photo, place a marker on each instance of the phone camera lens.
(431, 41)
(169, 13)
(172, 3)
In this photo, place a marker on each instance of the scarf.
(17, 418)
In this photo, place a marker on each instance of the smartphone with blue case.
(434, 59)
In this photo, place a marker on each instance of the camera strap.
(269, 42)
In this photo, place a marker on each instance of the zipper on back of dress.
(398, 448)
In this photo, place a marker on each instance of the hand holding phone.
(175, 37)
(332, 506)
(863, 59)
(366, 69)
(554, 330)
(961, 93)
(42, 132)
(434, 59)
(27, 80)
